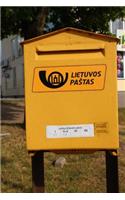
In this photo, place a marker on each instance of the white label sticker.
(70, 131)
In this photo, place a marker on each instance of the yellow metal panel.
(56, 120)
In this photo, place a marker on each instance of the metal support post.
(38, 172)
(112, 171)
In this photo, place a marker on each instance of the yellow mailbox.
(71, 91)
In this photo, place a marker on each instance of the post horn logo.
(54, 80)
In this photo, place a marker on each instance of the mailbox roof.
(101, 36)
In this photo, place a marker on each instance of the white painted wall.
(113, 27)
(12, 83)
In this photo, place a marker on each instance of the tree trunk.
(37, 27)
(41, 19)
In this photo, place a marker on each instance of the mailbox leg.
(38, 172)
(112, 171)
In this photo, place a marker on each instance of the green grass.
(82, 173)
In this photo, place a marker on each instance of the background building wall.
(12, 67)
(118, 28)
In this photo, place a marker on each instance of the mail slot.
(71, 91)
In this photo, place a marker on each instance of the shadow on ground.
(12, 113)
